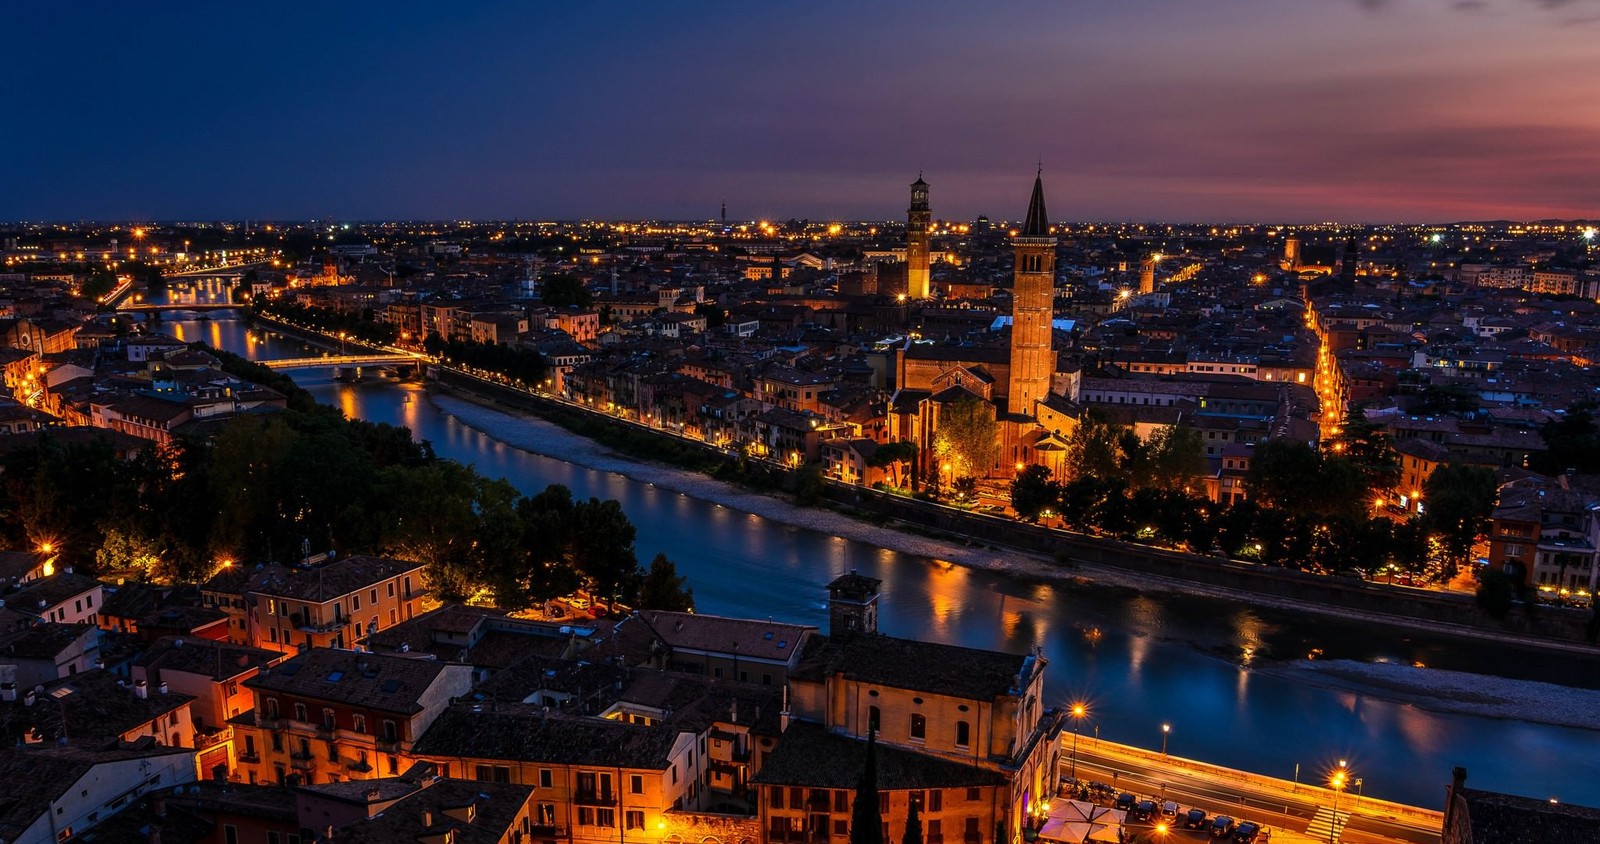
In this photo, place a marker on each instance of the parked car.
(1246, 833)
(1222, 827)
(1100, 789)
(1125, 801)
(1169, 811)
(1145, 810)
(578, 603)
(1195, 819)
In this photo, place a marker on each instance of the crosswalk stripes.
(1327, 826)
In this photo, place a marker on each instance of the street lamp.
(1337, 780)
(1078, 711)
(1166, 730)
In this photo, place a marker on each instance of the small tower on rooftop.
(853, 604)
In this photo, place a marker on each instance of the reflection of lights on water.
(1247, 655)
(1093, 635)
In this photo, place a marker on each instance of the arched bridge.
(342, 360)
(197, 306)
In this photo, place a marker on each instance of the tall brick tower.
(918, 218)
(1033, 361)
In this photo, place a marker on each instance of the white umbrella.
(1078, 822)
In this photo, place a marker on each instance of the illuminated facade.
(1032, 308)
(919, 218)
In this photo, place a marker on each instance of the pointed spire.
(1038, 222)
(866, 822)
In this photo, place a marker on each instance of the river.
(1139, 660)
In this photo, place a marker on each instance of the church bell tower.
(919, 218)
(1033, 361)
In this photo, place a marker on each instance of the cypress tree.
(913, 825)
(866, 824)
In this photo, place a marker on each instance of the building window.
(919, 727)
(776, 798)
(635, 785)
(545, 778)
(974, 794)
(935, 800)
(230, 834)
(635, 819)
(300, 712)
(358, 723)
(874, 719)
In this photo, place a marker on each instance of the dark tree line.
(1306, 508)
(361, 327)
(514, 362)
(275, 487)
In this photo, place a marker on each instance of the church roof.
(1038, 222)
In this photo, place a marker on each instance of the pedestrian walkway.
(1327, 826)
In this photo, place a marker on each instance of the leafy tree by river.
(271, 487)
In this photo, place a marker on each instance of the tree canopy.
(968, 439)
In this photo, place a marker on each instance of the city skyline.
(1354, 112)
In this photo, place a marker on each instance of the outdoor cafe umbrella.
(1078, 822)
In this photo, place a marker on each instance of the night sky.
(1176, 110)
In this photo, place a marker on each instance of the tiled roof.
(51, 590)
(91, 708)
(35, 777)
(314, 583)
(376, 681)
(747, 637)
(1508, 819)
(441, 812)
(811, 756)
(916, 666)
(523, 733)
(205, 657)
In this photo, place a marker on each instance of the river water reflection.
(1139, 660)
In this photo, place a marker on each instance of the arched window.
(874, 719)
(919, 727)
(963, 734)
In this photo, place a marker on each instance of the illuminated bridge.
(378, 359)
(177, 306)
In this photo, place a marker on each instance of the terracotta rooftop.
(909, 664)
(751, 638)
(811, 756)
(376, 681)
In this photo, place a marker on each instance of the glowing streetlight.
(1166, 730)
(1337, 780)
(1078, 711)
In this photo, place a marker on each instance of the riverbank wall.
(1441, 612)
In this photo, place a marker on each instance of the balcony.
(541, 830)
(306, 762)
(971, 838)
(205, 740)
(586, 797)
(249, 757)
